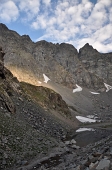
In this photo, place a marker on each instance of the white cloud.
(102, 47)
(107, 3)
(46, 2)
(110, 15)
(104, 33)
(77, 22)
(100, 39)
(30, 8)
(8, 11)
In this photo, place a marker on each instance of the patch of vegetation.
(46, 98)
(34, 92)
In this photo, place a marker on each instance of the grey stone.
(73, 141)
(110, 150)
(4, 162)
(104, 163)
(75, 147)
(93, 165)
(67, 143)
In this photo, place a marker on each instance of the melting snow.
(85, 119)
(77, 89)
(90, 116)
(84, 129)
(108, 87)
(94, 92)
(46, 79)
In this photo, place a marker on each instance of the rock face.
(99, 65)
(1, 63)
(60, 62)
(4, 97)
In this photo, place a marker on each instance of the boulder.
(103, 164)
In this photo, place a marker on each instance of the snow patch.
(108, 87)
(94, 92)
(84, 129)
(77, 89)
(46, 79)
(85, 119)
(92, 116)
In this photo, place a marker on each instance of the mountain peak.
(26, 37)
(3, 26)
(87, 47)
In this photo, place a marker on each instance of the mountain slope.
(65, 68)
(60, 62)
(33, 120)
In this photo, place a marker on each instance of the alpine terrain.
(55, 105)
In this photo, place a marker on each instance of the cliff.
(60, 62)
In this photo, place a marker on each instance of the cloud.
(8, 11)
(30, 8)
(46, 2)
(107, 3)
(110, 15)
(100, 39)
(77, 22)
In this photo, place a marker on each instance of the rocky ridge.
(60, 62)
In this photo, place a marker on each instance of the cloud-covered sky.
(72, 21)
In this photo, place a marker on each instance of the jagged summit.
(26, 37)
(87, 47)
(3, 26)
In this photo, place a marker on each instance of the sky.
(76, 22)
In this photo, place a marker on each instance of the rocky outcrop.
(5, 100)
(97, 63)
(47, 98)
(1, 63)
